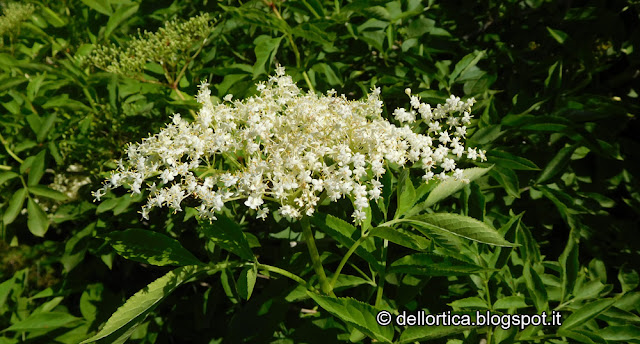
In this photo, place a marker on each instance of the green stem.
(311, 9)
(167, 74)
(292, 43)
(184, 68)
(344, 260)
(6, 147)
(488, 296)
(306, 78)
(287, 274)
(315, 257)
(148, 81)
(382, 274)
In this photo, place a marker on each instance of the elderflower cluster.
(289, 147)
(69, 183)
(14, 14)
(167, 46)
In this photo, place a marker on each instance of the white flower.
(458, 150)
(294, 146)
(289, 212)
(444, 137)
(425, 111)
(228, 179)
(415, 102)
(448, 164)
(262, 213)
(472, 153)
(428, 176)
(402, 115)
(254, 202)
(481, 155)
(359, 216)
(98, 194)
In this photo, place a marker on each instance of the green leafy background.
(549, 222)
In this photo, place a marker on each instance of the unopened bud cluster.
(166, 46)
(289, 147)
(13, 14)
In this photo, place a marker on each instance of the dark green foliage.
(549, 222)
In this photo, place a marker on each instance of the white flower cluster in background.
(70, 183)
(289, 147)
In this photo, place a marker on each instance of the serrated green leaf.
(40, 190)
(76, 247)
(569, 264)
(449, 241)
(628, 278)
(424, 333)
(401, 237)
(616, 315)
(101, 6)
(52, 17)
(578, 336)
(559, 36)
(507, 179)
(433, 265)
(5, 290)
(628, 301)
(120, 15)
(451, 186)
(508, 160)
(509, 231)
(246, 282)
(32, 91)
(557, 164)
(36, 170)
(356, 313)
(15, 206)
(37, 219)
(46, 126)
(486, 134)
(42, 321)
(535, 287)
(620, 333)
(136, 308)
(8, 175)
(228, 235)
(330, 75)
(465, 63)
(478, 85)
(406, 193)
(265, 50)
(462, 226)
(343, 232)
(587, 312)
(150, 247)
(89, 301)
(469, 302)
(314, 32)
(63, 101)
(510, 302)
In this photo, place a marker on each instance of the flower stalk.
(325, 286)
(346, 257)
